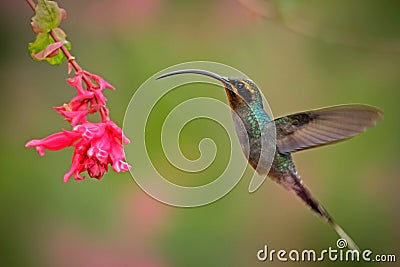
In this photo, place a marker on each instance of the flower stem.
(31, 4)
(70, 58)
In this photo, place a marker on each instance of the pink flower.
(96, 146)
(95, 88)
(87, 101)
(77, 110)
(54, 142)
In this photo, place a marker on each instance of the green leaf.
(43, 40)
(47, 16)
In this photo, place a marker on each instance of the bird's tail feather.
(306, 196)
(350, 243)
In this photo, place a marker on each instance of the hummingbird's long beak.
(222, 79)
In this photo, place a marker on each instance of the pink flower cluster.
(96, 144)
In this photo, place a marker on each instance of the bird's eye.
(239, 85)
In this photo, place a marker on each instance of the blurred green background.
(302, 54)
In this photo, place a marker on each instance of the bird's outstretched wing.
(323, 126)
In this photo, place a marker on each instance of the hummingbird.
(295, 132)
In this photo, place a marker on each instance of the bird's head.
(240, 92)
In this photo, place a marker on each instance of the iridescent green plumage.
(293, 133)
